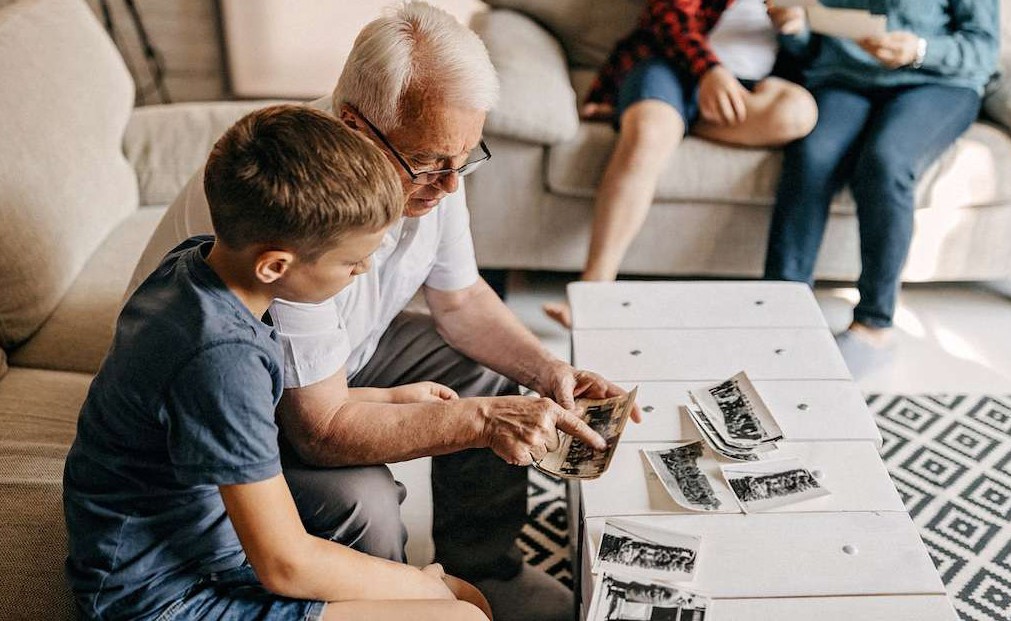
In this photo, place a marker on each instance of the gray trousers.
(480, 501)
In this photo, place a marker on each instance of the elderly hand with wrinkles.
(522, 430)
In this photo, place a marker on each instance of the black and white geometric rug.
(950, 459)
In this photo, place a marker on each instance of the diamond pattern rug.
(950, 459)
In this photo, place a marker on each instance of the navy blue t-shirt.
(184, 402)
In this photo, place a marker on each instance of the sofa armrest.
(167, 143)
(537, 102)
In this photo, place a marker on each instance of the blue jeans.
(236, 594)
(880, 141)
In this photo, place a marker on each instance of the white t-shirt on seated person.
(435, 250)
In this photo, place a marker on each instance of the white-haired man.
(360, 373)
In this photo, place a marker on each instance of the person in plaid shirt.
(698, 66)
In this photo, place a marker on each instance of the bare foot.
(596, 112)
(875, 337)
(560, 312)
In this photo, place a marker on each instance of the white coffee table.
(852, 555)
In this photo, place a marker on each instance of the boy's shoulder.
(183, 310)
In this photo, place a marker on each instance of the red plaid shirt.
(673, 29)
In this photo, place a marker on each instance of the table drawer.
(699, 355)
(852, 471)
(801, 555)
(693, 305)
(806, 410)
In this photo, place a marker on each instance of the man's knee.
(356, 506)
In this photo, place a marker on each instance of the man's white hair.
(415, 45)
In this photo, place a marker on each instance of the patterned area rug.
(950, 459)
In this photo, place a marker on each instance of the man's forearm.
(480, 326)
(363, 433)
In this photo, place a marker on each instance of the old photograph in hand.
(574, 459)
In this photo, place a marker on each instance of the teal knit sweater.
(962, 42)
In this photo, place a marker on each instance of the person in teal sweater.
(888, 106)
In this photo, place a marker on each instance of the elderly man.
(360, 372)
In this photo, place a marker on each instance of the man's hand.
(420, 392)
(787, 20)
(721, 97)
(565, 384)
(894, 49)
(522, 430)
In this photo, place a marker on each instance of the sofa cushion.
(166, 144)
(38, 421)
(587, 29)
(64, 183)
(537, 103)
(77, 335)
(40, 407)
(968, 174)
(32, 584)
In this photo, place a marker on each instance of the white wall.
(296, 48)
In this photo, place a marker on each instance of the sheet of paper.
(770, 484)
(853, 24)
(642, 550)
(575, 460)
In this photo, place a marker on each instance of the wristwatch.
(921, 53)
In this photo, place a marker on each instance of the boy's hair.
(299, 178)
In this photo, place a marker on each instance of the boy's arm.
(405, 393)
(290, 562)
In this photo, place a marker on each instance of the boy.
(173, 494)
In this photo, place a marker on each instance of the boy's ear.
(272, 265)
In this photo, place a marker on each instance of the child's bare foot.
(560, 312)
(596, 112)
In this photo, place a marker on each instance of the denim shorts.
(658, 79)
(237, 594)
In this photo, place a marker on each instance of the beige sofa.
(531, 209)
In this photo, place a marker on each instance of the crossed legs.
(778, 112)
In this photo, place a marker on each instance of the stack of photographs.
(637, 570)
(574, 459)
(770, 484)
(734, 420)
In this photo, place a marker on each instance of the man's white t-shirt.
(435, 250)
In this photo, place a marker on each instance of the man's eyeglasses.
(427, 177)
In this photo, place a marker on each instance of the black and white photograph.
(574, 459)
(719, 446)
(642, 550)
(737, 412)
(619, 597)
(687, 483)
(770, 484)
